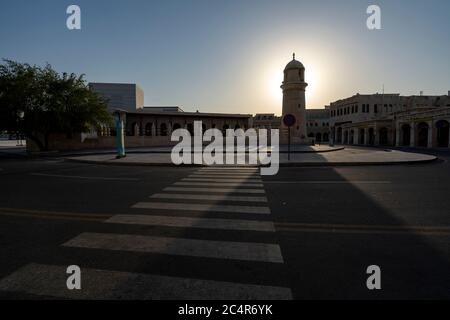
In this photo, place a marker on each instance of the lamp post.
(20, 116)
(120, 140)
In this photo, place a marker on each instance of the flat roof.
(188, 114)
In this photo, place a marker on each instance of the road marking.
(223, 180)
(223, 184)
(241, 170)
(248, 168)
(363, 229)
(240, 178)
(39, 214)
(256, 173)
(216, 190)
(50, 280)
(208, 197)
(201, 207)
(220, 173)
(327, 182)
(82, 177)
(185, 222)
(262, 252)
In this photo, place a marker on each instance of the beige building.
(391, 120)
(148, 123)
(318, 124)
(266, 121)
(158, 121)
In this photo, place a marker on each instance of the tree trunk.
(36, 140)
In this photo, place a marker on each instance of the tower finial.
(293, 56)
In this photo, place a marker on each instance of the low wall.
(62, 143)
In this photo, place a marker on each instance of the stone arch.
(371, 136)
(442, 133)
(351, 139)
(406, 134)
(163, 129)
(225, 128)
(422, 134)
(190, 128)
(131, 131)
(319, 137)
(346, 137)
(362, 136)
(148, 129)
(383, 136)
(339, 135)
(326, 137)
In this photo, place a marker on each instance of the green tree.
(39, 101)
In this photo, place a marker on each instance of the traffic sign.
(289, 120)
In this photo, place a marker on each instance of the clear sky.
(229, 55)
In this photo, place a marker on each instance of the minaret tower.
(294, 87)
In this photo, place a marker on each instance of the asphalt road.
(313, 239)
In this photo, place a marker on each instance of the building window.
(375, 108)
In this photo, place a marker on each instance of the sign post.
(289, 120)
(120, 141)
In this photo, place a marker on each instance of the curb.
(296, 164)
(169, 152)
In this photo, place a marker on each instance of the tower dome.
(294, 64)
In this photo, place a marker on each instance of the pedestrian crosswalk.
(227, 190)
(201, 207)
(49, 280)
(179, 246)
(208, 197)
(222, 199)
(187, 222)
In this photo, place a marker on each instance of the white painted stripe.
(216, 190)
(221, 169)
(220, 173)
(328, 182)
(178, 246)
(201, 207)
(82, 177)
(222, 180)
(201, 223)
(240, 178)
(215, 184)
(49, 280)
(257, 173)
(208, 197)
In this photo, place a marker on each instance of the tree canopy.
(39, 101)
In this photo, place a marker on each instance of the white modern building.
(124, 96)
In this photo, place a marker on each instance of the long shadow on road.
(329, 262)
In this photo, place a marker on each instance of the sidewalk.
(344, 157)
(9, 148)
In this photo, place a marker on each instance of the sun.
(274, 81)
(312, 78)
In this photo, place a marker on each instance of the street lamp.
(20, 116)
(120, 140)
